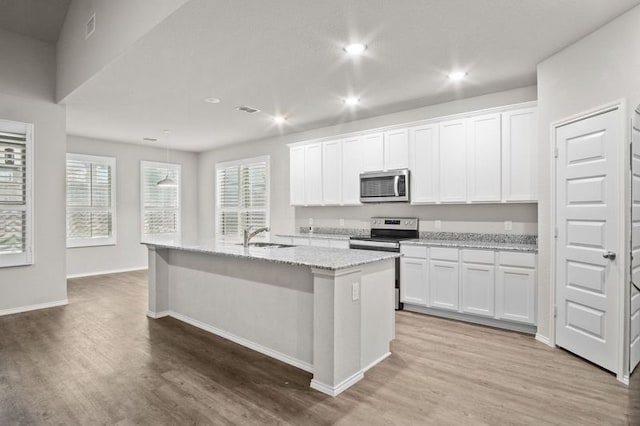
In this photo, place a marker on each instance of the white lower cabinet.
(516, 293)
(478, 283)
(413, 281)
(444, 283)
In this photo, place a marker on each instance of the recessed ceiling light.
(355, 48)
(279, 119)
(212, 100)
(457, 75)
(352, 101)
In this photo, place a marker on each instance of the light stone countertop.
(344, 237)
(488, 245)
(314, 257)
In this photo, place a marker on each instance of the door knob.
(609, 255)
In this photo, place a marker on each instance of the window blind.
(13, 192)
(242, 190)
(90, 200)
(160, 204)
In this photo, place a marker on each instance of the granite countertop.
(489, 245)
(315, 257)
(316, 235)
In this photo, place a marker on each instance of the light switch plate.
(438, 224)
(355, 291)
(508, 225)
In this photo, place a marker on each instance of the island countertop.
(314, 257)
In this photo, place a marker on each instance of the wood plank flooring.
(100, 360)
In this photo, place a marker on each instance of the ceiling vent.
(91, 26)
(150, 139)
(247, 109)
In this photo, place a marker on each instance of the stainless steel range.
(386, 234)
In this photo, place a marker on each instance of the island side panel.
(158, 282)
(263, 305)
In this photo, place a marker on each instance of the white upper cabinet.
(453, 161)
(332, 172)
(424, 163)
(313, 174)
(351, 168)
(396, 149)
(519, 155)
(296, 176)
(373, 152)
(483, 158)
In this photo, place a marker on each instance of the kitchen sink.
(268, 245)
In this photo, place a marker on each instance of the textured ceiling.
(286, 57)
(39, 19)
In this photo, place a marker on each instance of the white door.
(453, 161)
(373, 152)
(478, 283)
(296, 176)
(587, 220)
(424, 163)
(413, 281)
(519, 155)
(331, 173)
(634, 339)
(483, 158)
(351, 169)
(313, 174)
(396, 149)
(443, 284)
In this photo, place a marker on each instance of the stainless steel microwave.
(383, 187)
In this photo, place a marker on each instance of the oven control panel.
(410, 223)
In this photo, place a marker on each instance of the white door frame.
(622, 373)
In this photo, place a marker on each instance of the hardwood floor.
(100, 360)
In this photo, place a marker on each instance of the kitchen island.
(327, 311)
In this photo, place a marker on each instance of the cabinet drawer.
(414, 251)
(444, 253)
(524, 260)
(478, 256)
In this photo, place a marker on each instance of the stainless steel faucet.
(249, 234)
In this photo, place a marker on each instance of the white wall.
(119, 24)
(128, 253)
(284, 218)
(601, 68)
(26, 95)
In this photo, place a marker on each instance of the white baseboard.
(113, 271)
(340, 387)
(156, 315)
(376, 362)
(18, 310)
(624, 379)
(543, 339)
(242, 341)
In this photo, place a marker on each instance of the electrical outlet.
(508, 225)
(342, 223)
(438, 224)
(355, 291)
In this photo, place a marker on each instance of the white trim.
(303, 365)
(543, 339)
(339, 388)
(156, 315)
(376, 362)
(433, 120)
(28, 308)
(624, 379)
(165, 165)
(112, 271)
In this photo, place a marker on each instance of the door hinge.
(555, 312)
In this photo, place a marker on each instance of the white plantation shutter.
(160, 204)
(90, 200)
(242, 199)
(15, 193)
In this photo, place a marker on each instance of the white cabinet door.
(453, 161)
(352, 160)
(296, 176)
(373, 152)
(313, 174)
(332, 173)
(413, 281)
(519, 155)
(396, 149)
(424, 163)
(483, 158)
(478, 283)
(443, 284)
(516, 292)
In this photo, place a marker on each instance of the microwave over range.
(382, 187)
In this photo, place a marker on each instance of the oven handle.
(373, 245)
(396, 185)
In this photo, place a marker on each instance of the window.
(160, 204)
(242, 199)
(91, 194)
(16, 159)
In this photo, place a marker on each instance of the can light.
(457, 75)
(355, 48)
(351, 101)
(279, 119)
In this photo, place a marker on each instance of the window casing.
(160, 206)
(16, 203)
(91, 195)
(242, 196)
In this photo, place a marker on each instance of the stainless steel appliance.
(386, 234)
(382, 187)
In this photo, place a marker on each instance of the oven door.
(380, 187)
